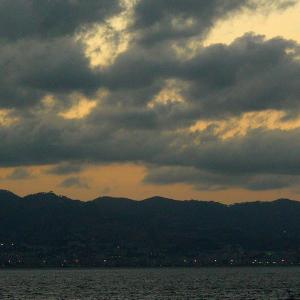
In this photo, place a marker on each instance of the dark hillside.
(49, 229)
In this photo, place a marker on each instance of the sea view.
(167, 283)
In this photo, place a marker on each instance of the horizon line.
(148, 198)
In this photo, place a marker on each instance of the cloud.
(250, 74)
(159, 21)
(213, 181)
(260, 150)
(74, 182)
(41, 53)
(21, 19)
(31, 70)
(19, 174)
(142, 105)
(65, 169)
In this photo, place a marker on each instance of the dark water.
(205, 283)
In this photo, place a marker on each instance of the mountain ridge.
(46, 229)
(156, 198)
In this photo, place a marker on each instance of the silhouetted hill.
(49, 229)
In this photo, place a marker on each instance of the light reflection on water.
(202, 283)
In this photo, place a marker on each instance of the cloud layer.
(159, 103)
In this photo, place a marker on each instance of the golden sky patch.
(6, 118)
(104, 43)
(80, 110)
(172, 92)
(272, 24)
(239, 126)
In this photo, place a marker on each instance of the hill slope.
(46, 229)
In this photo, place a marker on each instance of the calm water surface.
(204, 283)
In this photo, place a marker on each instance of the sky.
(193, 99)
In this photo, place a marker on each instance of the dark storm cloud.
(259, 160)
(271, 151)
(251, 74)
(38, 53)
(219, 81)
(72, 182)
(140, 67)
(49, 140)
(164, 20)
(31, 70)
(21, 19)
(115, 127)
(205, 180)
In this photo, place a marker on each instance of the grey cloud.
(123, 133)
(163, 20)
(74, 182)
(262, 159)
(210, 181)
(65, 168)
(31, 70)
(140, 67)
(250, 74)
(21, 19)
(54, 141)
(260, 151)
(38, 52)
(59, 66)
(19, 174)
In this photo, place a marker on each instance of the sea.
(174, 283)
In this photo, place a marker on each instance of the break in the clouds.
(181, 112)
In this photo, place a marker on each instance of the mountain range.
(45, 229)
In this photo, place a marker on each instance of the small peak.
(110, 199)
(159, 199)
(7, 193)
(49, 193)
(285, 201)
(2, 191)
(42, 194)
(7, 196)
(46, 196)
